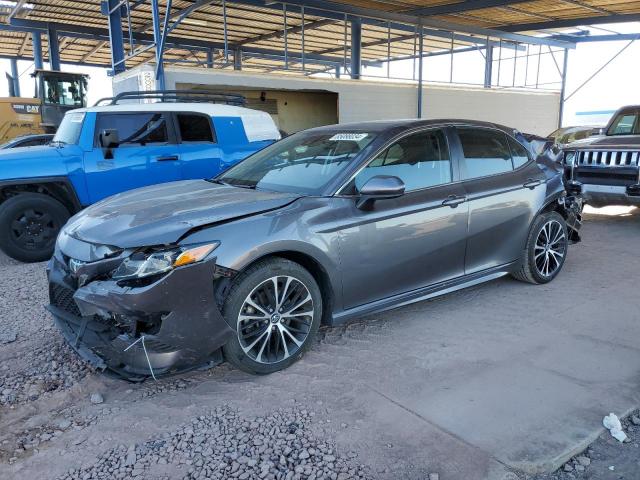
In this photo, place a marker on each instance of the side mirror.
(109, 139)
(380, 187)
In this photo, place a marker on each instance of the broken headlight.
(143, 264)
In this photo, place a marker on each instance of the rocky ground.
(328, 416)
(606, 458)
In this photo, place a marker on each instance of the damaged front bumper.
(171, 325)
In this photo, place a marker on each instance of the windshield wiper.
(226, 184)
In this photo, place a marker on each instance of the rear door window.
(420, 160)
(486, 152)
(519, 154)
(135, 128)
(195, 128)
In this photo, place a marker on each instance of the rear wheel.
(29, 225)
(546, 249)
(276, 307)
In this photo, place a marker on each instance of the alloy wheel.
(275, 319)
(550, 248)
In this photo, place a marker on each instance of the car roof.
(377, 126)
(258, 125)
(211, 109)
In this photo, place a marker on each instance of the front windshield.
(69, 129)
(69, 92)
(304, 163)
(626, 123)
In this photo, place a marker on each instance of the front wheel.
(276, 308)
(546, 249)
(29, 225)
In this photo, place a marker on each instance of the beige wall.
(528, 111)
(296, 110)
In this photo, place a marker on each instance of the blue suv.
(101, 151)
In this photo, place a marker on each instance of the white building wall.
(528, 111)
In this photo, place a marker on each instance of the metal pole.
(515, 63)
(15, 79)
(286, 37)
(237, 59)
(115, 36)
(499, 62)
(538, 70)
(488, 65)
(451, 64)
(415, 49)
(210, 58)
(54, 48)
(224, 26)
(565, 63)
(420, 65)
(388, 49)
(36, 43)
(344, 42)
(356, 46)
(304, 60)
(157, 38)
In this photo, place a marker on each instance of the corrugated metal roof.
(257, 27)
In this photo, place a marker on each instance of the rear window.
(135, 128)
(195, 128)
(486, 152)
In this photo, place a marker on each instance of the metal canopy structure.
(257, 30)
(307, 37)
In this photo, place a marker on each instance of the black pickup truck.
(607, 167)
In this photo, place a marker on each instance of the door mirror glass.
(378, 188)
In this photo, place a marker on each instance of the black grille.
(62, 297)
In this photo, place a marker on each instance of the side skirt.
(424, 293)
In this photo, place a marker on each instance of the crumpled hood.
(603, 142)
(163, 213)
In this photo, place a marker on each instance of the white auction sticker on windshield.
(348, 137)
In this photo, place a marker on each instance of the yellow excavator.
(56, 93)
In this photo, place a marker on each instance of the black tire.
(255, 326)
(29, 225)
(530, 263)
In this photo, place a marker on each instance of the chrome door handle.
(168, 158)
(453, 201)
(531, 184)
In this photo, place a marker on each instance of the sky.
(615, 86)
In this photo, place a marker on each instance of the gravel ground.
(326, 416)
(224, 444)
(34, 359)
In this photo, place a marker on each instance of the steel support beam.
(420, 68)
(237, 59)
(577, 22)
(36, 44)
(356, 48)
(210, 58)
(54, 47)
(488, 67)
(464, 6)
(158, 41)
(565, 63)
(15, 79)
(115, 35)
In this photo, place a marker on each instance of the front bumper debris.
(177, 316)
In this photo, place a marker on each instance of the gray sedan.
(324, 226)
